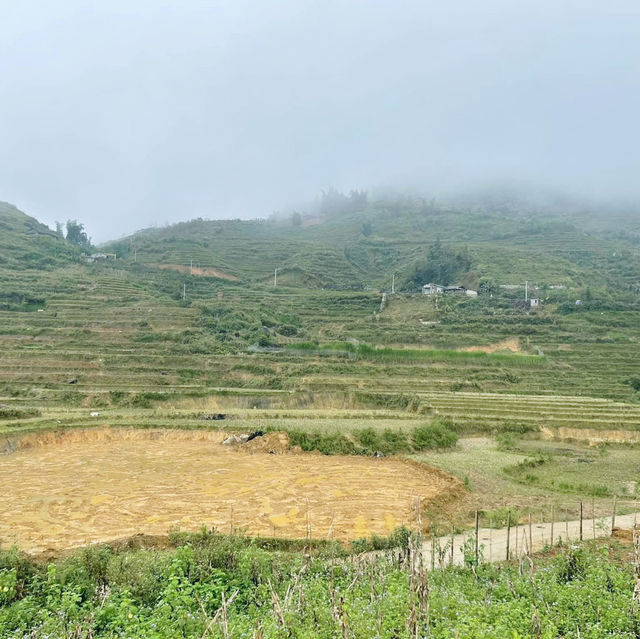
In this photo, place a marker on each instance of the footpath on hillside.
(520, 540)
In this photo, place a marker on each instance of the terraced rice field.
(127, 347)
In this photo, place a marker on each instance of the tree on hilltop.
(76, 233)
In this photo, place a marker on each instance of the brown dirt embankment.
(592, 436)
(511, 344)
(196, 270)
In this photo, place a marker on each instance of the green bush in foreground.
(215, 587)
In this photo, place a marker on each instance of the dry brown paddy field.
(62, 490)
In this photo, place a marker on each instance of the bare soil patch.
(208, 271)
(591, 436)
(511, 344)
(62, 490)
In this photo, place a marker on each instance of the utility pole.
(393, 284)
(526, 291)
(191, 270)
(184, 292)
(275, 277)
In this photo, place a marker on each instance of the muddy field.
(61, 491)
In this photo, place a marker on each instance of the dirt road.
(493, 541)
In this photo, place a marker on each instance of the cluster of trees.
(333, 202)
(75, 233)
(442, 265)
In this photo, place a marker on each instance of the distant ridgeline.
(354, 243)
(365, 244)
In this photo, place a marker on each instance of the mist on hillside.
(130, 114)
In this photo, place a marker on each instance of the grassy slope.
(25, 243)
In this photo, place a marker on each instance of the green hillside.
(363, 248)
(30, 253)
(25, 243)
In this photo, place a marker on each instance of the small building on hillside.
(460, 290)
(432, 289)
(526, 304)
(437, 289)
(99, 257)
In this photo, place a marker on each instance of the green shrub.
(506, 441)
(18, 413)
(117, 396)
(369, 438)
(634, 382)
(499, 517)
(399, 538)
(434, 435)
(394, 441)
(571, 566)
(146, 399)
(326, 443)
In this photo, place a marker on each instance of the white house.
(432, 289)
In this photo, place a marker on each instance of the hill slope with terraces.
(124, 327)
(144, 342)
(362, 248)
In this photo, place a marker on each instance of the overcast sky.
(129, 113)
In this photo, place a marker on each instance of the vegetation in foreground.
(217, 586)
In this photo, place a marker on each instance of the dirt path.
(493, 541)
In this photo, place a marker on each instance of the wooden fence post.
(433, 552)
(452, 535)
(477, 540)
(553, 519)
(580, 521)
(613, 514)
(530, 536)
(508, 533)
(490, 545)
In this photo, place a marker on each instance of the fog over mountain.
(125, 114)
